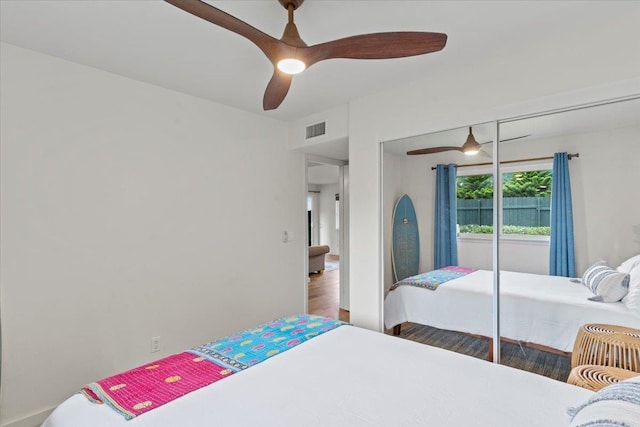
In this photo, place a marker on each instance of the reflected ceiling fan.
(470, 147)
(290, 55)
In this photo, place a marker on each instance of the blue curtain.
(446, 217)
(562, 257)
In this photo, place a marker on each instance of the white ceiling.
(152, 41)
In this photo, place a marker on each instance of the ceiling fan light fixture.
(471, 147)
(291, 66)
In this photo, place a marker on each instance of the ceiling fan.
(470, 147)
(291, 55)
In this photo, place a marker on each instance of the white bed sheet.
(356, 378)
(534, 308)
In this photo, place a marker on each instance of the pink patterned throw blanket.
(432, 279)
(150, 386)
(139, 390)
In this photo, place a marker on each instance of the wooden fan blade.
(505, 140)
(276, 90)
(432, 150)
(271, 47)
(375, 46)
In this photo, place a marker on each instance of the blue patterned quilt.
(240, 351)
(432, 279)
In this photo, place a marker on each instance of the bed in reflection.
(344, 376)
(538, 310)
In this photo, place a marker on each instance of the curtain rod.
(511, 161)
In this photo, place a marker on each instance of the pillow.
(629, 264)
(615, 405)
(607, 284)
(632, 299)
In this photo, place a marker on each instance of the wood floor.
(525, 358)
(324, 293)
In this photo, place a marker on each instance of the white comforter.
(356, 378)
(539, 309)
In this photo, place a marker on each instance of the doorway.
(327, 219)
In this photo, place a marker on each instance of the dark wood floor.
(525, 358)
(324, 293)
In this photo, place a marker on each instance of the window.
(526, 203)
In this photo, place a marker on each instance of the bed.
(546, 311)
(354, 377)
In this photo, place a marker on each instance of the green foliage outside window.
(518, 184)
(526, 197)
(527, 184)
(475, 187)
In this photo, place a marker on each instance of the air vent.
(318, 129)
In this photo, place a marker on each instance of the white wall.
(129, 211)
(323, 174)
(328, 232)
(392, 191)
(578, 65)
(515, 255)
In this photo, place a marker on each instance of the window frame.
(508, 168)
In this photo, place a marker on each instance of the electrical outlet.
(155, 344)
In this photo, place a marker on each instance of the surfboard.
(405, 248)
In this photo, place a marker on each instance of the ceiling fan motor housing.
(470, 144)
(296, 3)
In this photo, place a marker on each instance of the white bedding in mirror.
(534, 308)
(354, 377)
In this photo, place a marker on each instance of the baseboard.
(34, 420)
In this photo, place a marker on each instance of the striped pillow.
(607, 284)
(615, 405)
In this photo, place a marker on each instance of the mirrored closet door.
(564, 184)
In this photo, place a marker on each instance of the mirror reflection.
(430, 275)
(576, 210)
(569, 208)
